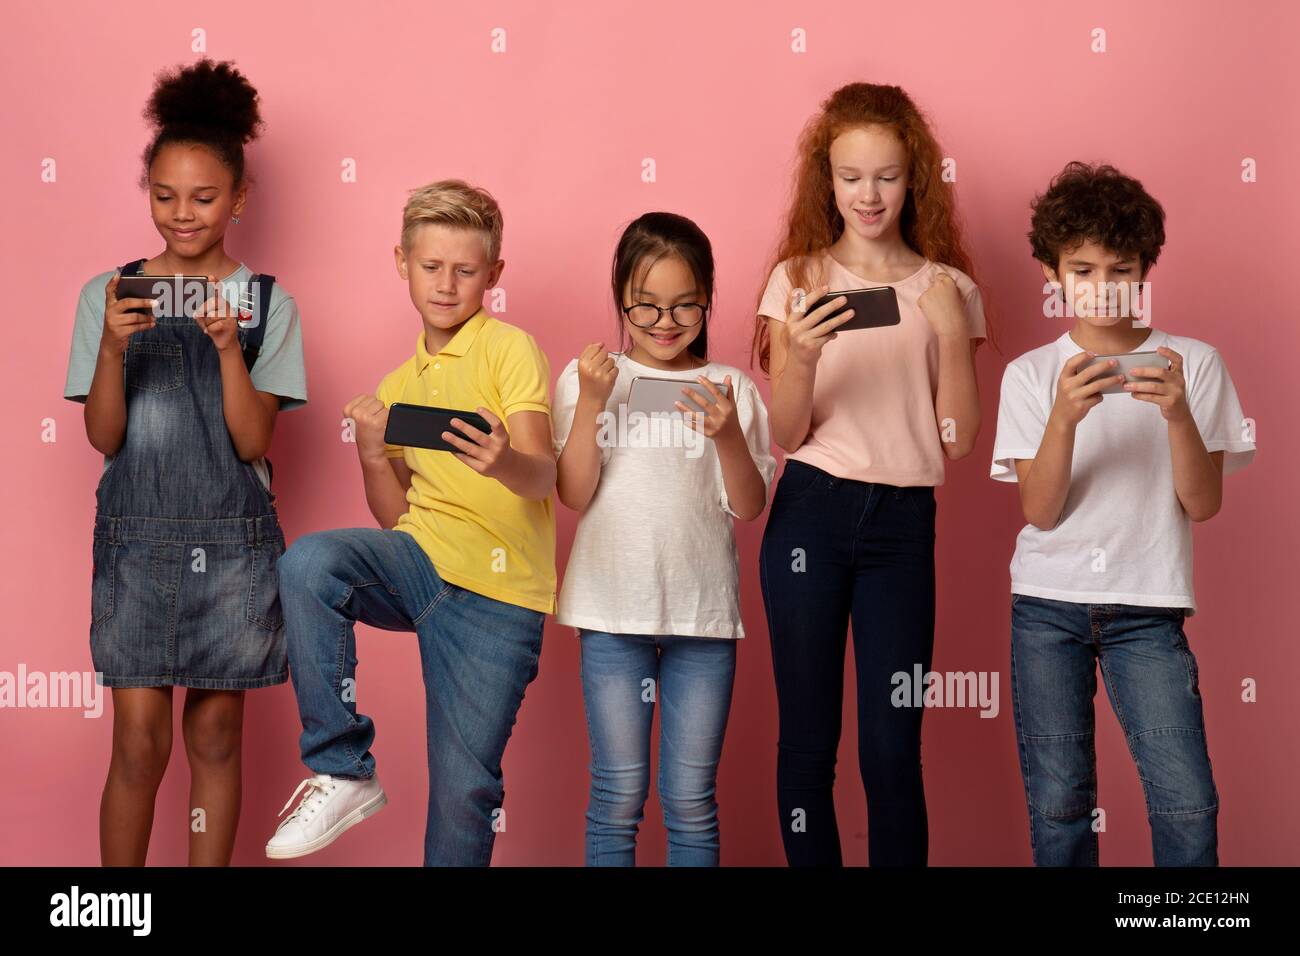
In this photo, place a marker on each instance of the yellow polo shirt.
(478, 533)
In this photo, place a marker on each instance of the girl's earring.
(235, 220)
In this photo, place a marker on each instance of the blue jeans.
(477, 656)
(1151, 678)
(622, 675)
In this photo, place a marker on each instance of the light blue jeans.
(622, 677)
(477, 656)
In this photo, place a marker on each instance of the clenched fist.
(370, 417)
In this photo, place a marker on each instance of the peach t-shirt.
(873, 398)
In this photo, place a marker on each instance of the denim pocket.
(797, 480)
(264, 585)
(920, 502)
(1193, 672)
(155, 366)
(103, 578)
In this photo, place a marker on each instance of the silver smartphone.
(1127, 362)
(651, 395)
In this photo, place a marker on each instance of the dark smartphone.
(872, 308)
(174, 293)
(421, 426)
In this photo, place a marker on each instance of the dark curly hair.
(1099, 204)
(210, 104)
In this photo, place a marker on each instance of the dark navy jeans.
(1151, 677)
(836, 549)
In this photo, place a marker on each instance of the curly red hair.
(929, 223)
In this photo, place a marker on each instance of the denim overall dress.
(184, 587)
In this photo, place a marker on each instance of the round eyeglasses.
(645, 315)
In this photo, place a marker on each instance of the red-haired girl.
(867, 417)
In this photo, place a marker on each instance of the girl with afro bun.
(181, 392)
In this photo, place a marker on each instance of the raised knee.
(309, 559)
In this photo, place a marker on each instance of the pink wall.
(556, 128)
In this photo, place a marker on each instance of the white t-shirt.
(1123, 536)
(655, 552)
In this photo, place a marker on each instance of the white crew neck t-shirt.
(655, 552)
(1123, 536)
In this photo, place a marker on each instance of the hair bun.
(206, 96)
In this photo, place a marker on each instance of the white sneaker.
(330, 806)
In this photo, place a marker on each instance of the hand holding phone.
(1125, 364)
(651, 395)
(715, 415)
(1161, 384)
(219, 318)
(808, 331)
(175, 294)
(123, 316)
(1078, 388)
(872, 308)
(424, 426)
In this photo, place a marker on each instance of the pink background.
(556, 128)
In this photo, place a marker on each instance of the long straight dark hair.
(650, 238)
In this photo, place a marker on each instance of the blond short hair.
(454, 202)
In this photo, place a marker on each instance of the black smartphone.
(872, 308)
(421, 426)
(176, 295)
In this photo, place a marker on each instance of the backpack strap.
(251, 338)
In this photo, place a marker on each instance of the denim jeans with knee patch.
(1151, 678)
